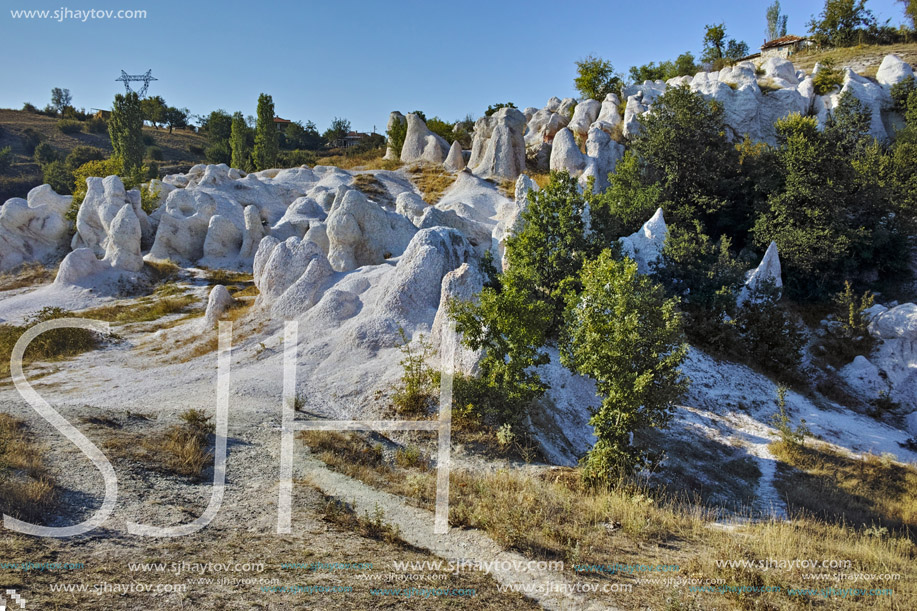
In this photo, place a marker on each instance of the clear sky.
(359, 59)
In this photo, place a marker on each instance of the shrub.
(396, 136)
(195, 149)
(70, 126)
(417, 390)
(29, 107)
(492, 108)
(294, 159)
(154, 152)
(827, 78)
(771, 339)
(30, 139)
(81, 155)
(148, 140)
(901, 91)
(58, 176)
(219, 152)
(45, 154)
(96, 125)
(6, 159)
(793, 439)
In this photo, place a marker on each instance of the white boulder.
(362, 233)
(420, 144)
(498, 148)
(217, 303)
(34, 229)
(768, 271)
(892, 71)
(645, 245)
(455, 160)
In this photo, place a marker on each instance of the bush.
(148, 140)
(81, 155)
(45, 154)
(30, 139)
(827, 78)
(219, 152)
(195, 149)
(492, 108)
(396, 136)
(416, 393)
(96, 125)
(29, 107)
(154, 152)
(70, 126)
(58, 176)
(294, 159)
(771, 340)
(901, 91)
(6, 159)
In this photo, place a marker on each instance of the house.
(784, 47)
(350, 139)
(281, 123)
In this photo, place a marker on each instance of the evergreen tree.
(125, 128)
(238, 142)
(776, 23)
(266, 136)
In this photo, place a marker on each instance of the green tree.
(175, 117)
(622, 332)
(770, 338)
(81, 155)
(218, 126)
(554, 242)
(45, 154)
(60, 99)
(705, 275)
(238, 143)
(776, 22)
(58, 176)
(154, 110)
(339, 128)
(596, 78)
(842, 23)
(125, 128)
(714, 42)
(267, 139)
(6, 159)
(511, 326)
(681, 162)
(910, 10)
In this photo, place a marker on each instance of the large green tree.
(776, 22)
(842, 23)
(625, 334)
(238, 143)
(267, 139)
(125, 128)
(910, 9)
(596, 78)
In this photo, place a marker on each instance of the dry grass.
(553, 516)
(27, 488)
(860, 492)
(373, 189)
(864, 58)
(31, 274)
(181, 449)
(143, 310)
(373, 526)
(51, 345)
(369, 160)
(541, 179)
(432, 181)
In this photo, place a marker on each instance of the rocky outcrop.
(478, 234)
(461, 284)
(122, 248)
(34, 229)
(892, 71)
(509, 222)
(498, 149)
(290, 275)
(565, 154)
(584, 115)
(645, 245)
(455, 160)
(767, 272)
(362, 233)
(420, 144)
(602, 156)
(217, 303)
(105, 197)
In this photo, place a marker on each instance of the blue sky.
(359, 59)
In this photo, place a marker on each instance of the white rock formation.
(420, 144)
(645, 245)
(767, 271)
(223, 241)
(584, 115)
(602, 156)
(80, 267)
(892, 71)
(566, 155)
(217, 303)
(510, 220)
(498, 148)
(477, 233)
(34, 229)
(251, 237)
(455, 160)
(105, 197)
(461, 284)
(363, 233)
(122, 249)
(290, 275)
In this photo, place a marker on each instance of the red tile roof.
(783, 40)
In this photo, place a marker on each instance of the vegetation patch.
(373, 189)
(52, 345)
(431, 180)
(30, 274)
(28, 489)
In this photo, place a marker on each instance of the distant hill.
(863, 59)
(180, 150)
